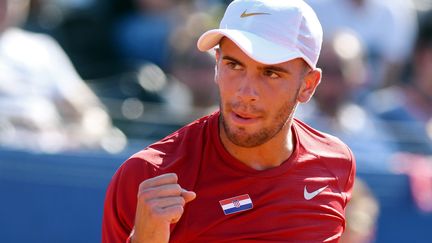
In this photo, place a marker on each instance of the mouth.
(244, 115)
(242, 118)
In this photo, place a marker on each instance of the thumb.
(188, 195)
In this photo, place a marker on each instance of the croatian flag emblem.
(236, 204)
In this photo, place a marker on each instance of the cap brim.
(257, 48)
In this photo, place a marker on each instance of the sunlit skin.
(257, 104)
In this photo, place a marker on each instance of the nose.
(247, 90)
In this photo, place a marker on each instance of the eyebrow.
(266, 67)
(277, 69)
(232, 59)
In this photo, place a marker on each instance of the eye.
(233, 65)
(270, 73)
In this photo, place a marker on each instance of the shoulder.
(331, 153)
(320, 143)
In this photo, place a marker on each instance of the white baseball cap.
(269, 31)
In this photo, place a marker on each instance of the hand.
(160, 203)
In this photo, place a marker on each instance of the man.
(249, 172)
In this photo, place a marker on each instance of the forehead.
(229, 48)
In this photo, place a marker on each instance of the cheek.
(278, 99)
(225, 81)
(221, 86)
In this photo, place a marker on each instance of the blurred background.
(86, 83)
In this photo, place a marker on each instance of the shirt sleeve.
(348, 189)
(121, 200)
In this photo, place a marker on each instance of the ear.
(311, 80)
(217, 53)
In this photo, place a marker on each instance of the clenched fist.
(161, 202)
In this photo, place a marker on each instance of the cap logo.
(245, 14)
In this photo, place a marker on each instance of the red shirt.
(302, 200)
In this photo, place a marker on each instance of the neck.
(265, 156)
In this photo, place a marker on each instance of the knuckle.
(179, 209)
(142, 186)
(153, 205)
(146, 204)
(145, 193)
(181, 201)
(177, 188)
(173, 176)
(145, 184)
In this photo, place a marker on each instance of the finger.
(169, 178)
(166, 202)
(188, 195)
(160, 191)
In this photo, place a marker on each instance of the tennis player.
(249, 172)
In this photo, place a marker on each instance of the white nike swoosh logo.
(310, 195)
